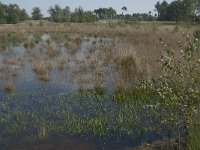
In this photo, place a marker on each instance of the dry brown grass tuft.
(61, 64)
(51, 51)
(42, 69)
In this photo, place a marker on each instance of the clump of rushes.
(99, 90)
(72, 47)
(42, 70)
(30, 44)
(127, 67)
(44, 77)
(51, 51)
(61, 64)
(9, 88)
(126, 70)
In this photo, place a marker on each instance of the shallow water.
(52, 98)
(71, 76)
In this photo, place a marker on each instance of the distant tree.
(100, 13)
(12, 14)
(175, 11)
(189, 8)
(111, 13)
(124, 8)
(89, 16)
(65, 14)
(105, 13)
(23, 15)
(55, 13)
(161, 9)
(178, 10)
(2, 13)
(158, 9)
(78, 15)
(151, 17)
(36, 14)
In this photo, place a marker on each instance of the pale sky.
(133, 6)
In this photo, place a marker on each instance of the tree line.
(12, 13)
(177, 10)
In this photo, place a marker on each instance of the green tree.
(158, 9)
(174, 11)
(23, 15)
(105, 13)
(111, 13)
(55, 13)
(161, 9)
(78, 15)
(188, 10)
(124, 9)
(65, 15)
(12, 14)
(2, 13)
(36, 14)
(89, 16)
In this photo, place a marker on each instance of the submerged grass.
(79, 113)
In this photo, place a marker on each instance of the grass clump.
(42, 70)
(9, 88)
(99, 90)
(194, 138)
(126, 68)
(61, 64)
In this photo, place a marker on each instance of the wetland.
(87, 86)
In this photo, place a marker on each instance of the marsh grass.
(12, 61)
(122, 95)
(4, 69)
(42, 70)
(29, 44)
(133, 50)
(9, 88)
(194, 138)
(99, 89)
(53, 52)
(84, 113)
(127, 67)
(61, 64)
(73, 45)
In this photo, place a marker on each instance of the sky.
(133, 6)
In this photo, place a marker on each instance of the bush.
(177, 91)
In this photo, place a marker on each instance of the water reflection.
(83, 69)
